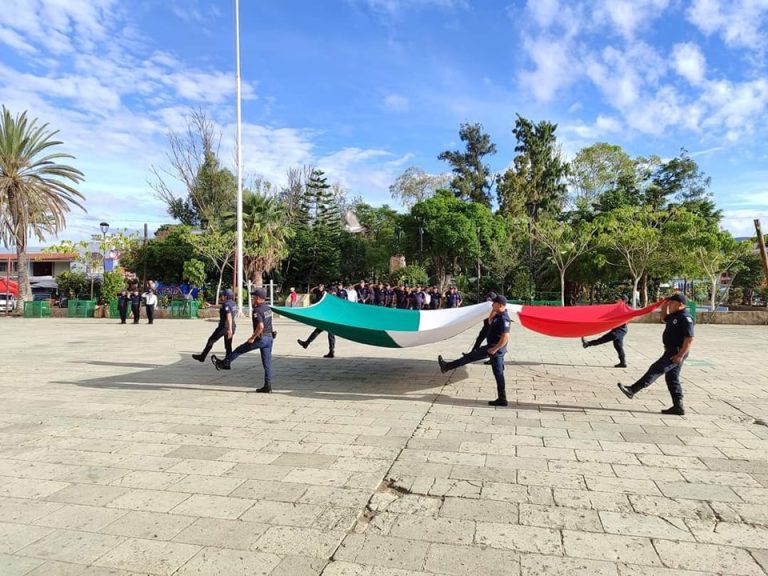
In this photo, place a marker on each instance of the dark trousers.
(150, 312)
(123, 311)
(136, 311)
(264, 345)
(617, 337)
(220, 332)
(671, 372)
(497, 366)
(481, 336)
(331, 339)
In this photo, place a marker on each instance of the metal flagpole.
(239, 258)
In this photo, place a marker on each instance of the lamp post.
(104, 229)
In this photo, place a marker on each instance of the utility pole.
(761, 245)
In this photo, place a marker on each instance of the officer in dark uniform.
(226, 327)
(135, 305)
(341, 292)
(677, 339)
(401, 297)
(498, 336)
(378, 296)
(452, 298)
(483, 334)
(318, 295)
(616, 336)
(437, 298)
(122, 306)
(261, 340)
(363, 293)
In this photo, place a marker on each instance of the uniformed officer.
(401, 297)
(136, 305)
(453, 298)
(677, 340)
(318, 295)
(226, 327)
(341, 291)
(363, 293)
(498, 336)
(616, 336)
(483, 334)
(122, 306)
(261, 340)
(378, 294)
(437, 297)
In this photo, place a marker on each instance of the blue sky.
(364, 89)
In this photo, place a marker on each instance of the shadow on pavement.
(346, 379)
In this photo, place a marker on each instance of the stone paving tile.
(220, 533)
(520, 538)
(17, 565)
(14, 537)
(471, 560)
(213, 506)
(219, 562)
(707, 557)
(72, 546)
(152, 557)
(148, 525)
(56, 568)
(610, 547)
(539, 565)
(560, 518)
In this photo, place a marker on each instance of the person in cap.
(136, 305)
(122, 306)
(226, 327)
(616, 336)
(261, 339)
(677, 340)
(494, 349)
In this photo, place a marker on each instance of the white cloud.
(396, 6)
(740, 23)
(396, 102)
(628, 17)
(553, 66)
(689, 62)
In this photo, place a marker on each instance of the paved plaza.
(120, 455)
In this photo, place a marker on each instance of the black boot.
(199, 357)
(302, 343)
(329, 355)
(584, 343)
(621, 365)
(501, 397)
(266, 389)
(217, 363)
(443, 364)
(677, 408)
(626, 390)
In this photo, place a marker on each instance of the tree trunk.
(562, 287)
(22, 270)
(713, 299)
(634, 291)
(645, 289)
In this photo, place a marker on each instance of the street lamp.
(104, 229)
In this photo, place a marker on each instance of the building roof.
(40, 257)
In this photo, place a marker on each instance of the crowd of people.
(384, 294)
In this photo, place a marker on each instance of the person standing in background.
(150, 301)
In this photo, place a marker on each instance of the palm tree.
(35, 194)
(265, 234)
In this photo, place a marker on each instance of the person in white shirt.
(150, 301)
(352, 293)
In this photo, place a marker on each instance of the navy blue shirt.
(679, 326)
(452, 299)
(498, 327)
(341, 293)
(262, 314)
(227, 308)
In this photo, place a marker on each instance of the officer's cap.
(499, 299)
(228, 293)
(259, 293)
(490, 296)
(677, 297)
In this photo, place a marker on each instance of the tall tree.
(536, 183)
(680, 182)
(319, 207)
(209, 189)
(265, 234)
(217, 245)
(597, 170)
(634, 234)
(415, 185)
(471, 177)
(36, 191)
(565, 242)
